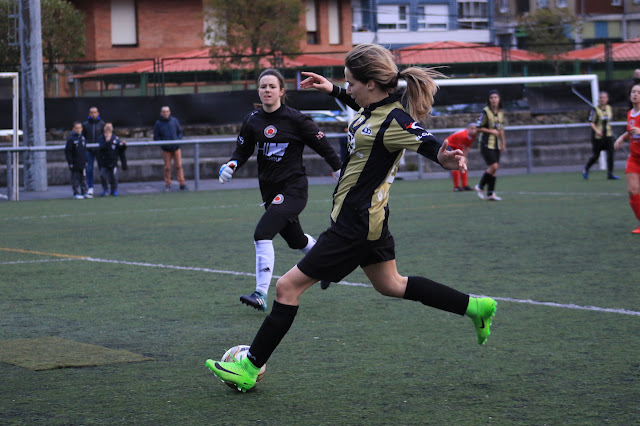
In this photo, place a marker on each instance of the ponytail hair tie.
(399, 76)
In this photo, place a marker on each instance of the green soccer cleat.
(241, 373)
(481, 312)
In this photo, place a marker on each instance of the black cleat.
(324, 284)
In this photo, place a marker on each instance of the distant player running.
(359, 235)
(280, 133)
(462, 140)
(633, 162)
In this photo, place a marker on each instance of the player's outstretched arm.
(618, 143)
(452, 160)
(316, 81)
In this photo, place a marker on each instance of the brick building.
(144, 29)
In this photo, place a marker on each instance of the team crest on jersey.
(319, 135)
(278, 199)
(270, 131)
(366, 130)
(414, 126)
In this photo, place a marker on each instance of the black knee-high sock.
(483, 180)
(436, 295)
(491, 185)
(273, 329)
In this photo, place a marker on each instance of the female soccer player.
(632, 171)
(358, 236)
(601, 135)
(492, 142)
(281, 133)
(462, 140)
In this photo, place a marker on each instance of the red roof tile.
(449, 52)
(621, 52)
(200, 60)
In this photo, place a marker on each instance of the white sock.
(265, 259)
(310, 243)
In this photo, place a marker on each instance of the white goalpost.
(13, 176)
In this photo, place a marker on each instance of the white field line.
(221, 271)
(17, 262)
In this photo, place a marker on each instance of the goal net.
(533, 141)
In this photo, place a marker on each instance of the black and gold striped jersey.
(281, 137)
(601, 118)
(377, 139)
(489, 120)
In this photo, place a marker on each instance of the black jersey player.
(280, 133)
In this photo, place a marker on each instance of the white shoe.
(79, 197)
(479, 192)
(90, 191)
(494, 197)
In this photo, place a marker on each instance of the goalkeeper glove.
(226, 171)
(336, 175)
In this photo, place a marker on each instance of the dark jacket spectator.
(110, 151)
(167, 129)
(75, 151)
(92, 129)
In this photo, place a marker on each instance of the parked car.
(324, 116)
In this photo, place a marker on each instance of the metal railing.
(12, 165)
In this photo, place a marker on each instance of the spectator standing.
(462, 140)
(601, 135)
(111, 148)
(632, 170)
(92, 129)
(168, 128)
(76, 153)
(492, 143)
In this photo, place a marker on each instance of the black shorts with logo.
(335, 256)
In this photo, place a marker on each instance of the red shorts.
(633, 165)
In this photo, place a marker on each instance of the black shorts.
(334, 256)
(490, 155)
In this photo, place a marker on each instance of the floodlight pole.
(34, 132)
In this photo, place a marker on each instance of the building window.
(433, 17)
(392, 18)
(124, 29)
(543, 4)
(561, 3)
(311, 21)
(504, 6)
(335, 22)
(616, 2)
(473, 14)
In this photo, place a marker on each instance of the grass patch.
(160, 275)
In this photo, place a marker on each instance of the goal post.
(591, 79)
(13, 175)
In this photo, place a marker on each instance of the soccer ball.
(240, 352)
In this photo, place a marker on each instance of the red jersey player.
(462, 140)
(633, 162)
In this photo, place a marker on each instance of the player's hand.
(634, 130)
(452, 160)
(315, 81)
(226, 171)
(336, 175)
(618, 143)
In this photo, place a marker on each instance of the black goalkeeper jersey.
(281, 137)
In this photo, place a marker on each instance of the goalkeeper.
(280, 133)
